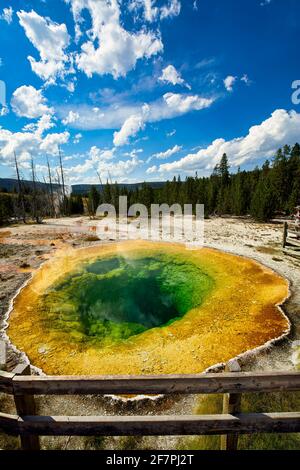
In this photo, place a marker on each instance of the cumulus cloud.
(29, 102)
(168, 153)
(31, 141)
(51, 41)
(262, 141)
(110, 48)
(130, 128)
(51, 143)
(43, 124)
(70, 118)
(104, 162)
(97, 155)
(229, 82)
(151, 170)
(7, 15)
(170, 105)
(171, 75)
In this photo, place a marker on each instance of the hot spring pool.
(145, 308)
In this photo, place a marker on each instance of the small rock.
(24, 265)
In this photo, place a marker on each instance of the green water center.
(112, 299)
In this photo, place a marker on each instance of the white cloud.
(77, 138)
(170, 105)
(103, 162)
(43, 124)
(168, 153)
(180, 104)
(229, 82)
(262, 141)
(171, 75)
(153, 12)
(51, 143)
(51, 40)
(29, 102)
(130, 128)
(7, 15)
(31, 141)
(171, 133)
(97, 155)
(150, 11)
(151, 170)
(110, 48)
(133, 153)
(246, 79)
(70, 118)
(170, 10)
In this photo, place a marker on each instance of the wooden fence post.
(231, 405)
(285, 234)
(25, 406)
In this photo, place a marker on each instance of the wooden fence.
(29, 426)
(291, 242)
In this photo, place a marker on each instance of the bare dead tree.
(59, 191)
(63, 182)
(47, 197)
(20, 190)
(35, 211)
(51, 190)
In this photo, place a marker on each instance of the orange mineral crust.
(239, 311)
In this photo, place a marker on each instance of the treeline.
(262, 192)
(37, 204)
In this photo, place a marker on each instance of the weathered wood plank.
(6, 385)
(159, 425)
(293, 253)
(292, 242)
(21, 369)
(202, 383)
(25, 405)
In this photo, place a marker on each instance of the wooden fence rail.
(230, 424)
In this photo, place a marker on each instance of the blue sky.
(146, 89)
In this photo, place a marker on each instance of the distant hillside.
(11, 184)
(83, 189)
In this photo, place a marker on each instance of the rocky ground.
(23, 248)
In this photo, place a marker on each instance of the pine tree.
(93, 200)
